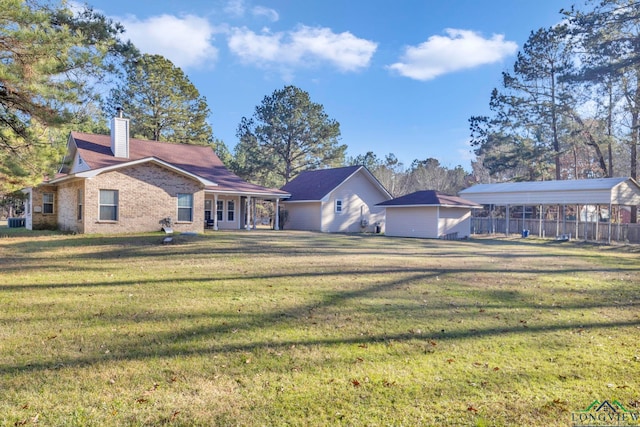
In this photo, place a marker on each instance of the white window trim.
(80, 205)
(228, 211)
(53, 204)
(184, 207)
(338, 206)
(221, 211)
(210, 209)
(117, 205)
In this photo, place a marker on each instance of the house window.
(207, 209)
(108, 205)
(219, 209)
(47, 203)
(231, 210)
(79, 198)
(185, 207)
(338, 205)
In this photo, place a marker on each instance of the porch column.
(254, 213)
(247, 224)
(276, 225)
(215, 212)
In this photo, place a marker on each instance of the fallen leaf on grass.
(472, 409)
(355, 382)
(450, 360)
(153, 388)
(174, 415)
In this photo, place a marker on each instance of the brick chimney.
(120, 136)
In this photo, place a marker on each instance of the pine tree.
(161, 102)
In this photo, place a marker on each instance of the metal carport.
(601, 193)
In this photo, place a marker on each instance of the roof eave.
(94, 172)
(247, 193)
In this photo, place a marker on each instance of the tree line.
(570, 106)
(569, 109)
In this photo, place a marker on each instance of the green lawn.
(281, 328)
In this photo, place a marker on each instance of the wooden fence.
(567, 229)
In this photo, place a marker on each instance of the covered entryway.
(227, 211)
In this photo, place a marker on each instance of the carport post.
(610, 213)
(597, 222)
(507, 225)
(577, 225)
(540, 215)
(276, 225)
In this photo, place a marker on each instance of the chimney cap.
(119, 111)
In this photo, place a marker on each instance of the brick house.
(117, 184)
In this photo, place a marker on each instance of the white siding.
(359, 197)
(120, 137)
(302, 216)
(625, 194)
(78, 164)
(455, 220)
(427, 221)
(412, 222)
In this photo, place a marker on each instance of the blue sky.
(400, 76)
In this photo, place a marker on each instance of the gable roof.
(315, 185)
(195, 160)
(429, 198)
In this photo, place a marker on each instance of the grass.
(294, 328)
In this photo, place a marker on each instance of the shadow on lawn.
(187, 340)
(219, 338)
(255, 244)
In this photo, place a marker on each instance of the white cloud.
(238, 9)
(270, 14)
(458, 50)
(302, 47)
(235, 8)
(186, 40)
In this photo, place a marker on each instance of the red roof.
(429, 198)
(95, 151)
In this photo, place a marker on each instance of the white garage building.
(428, 214)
